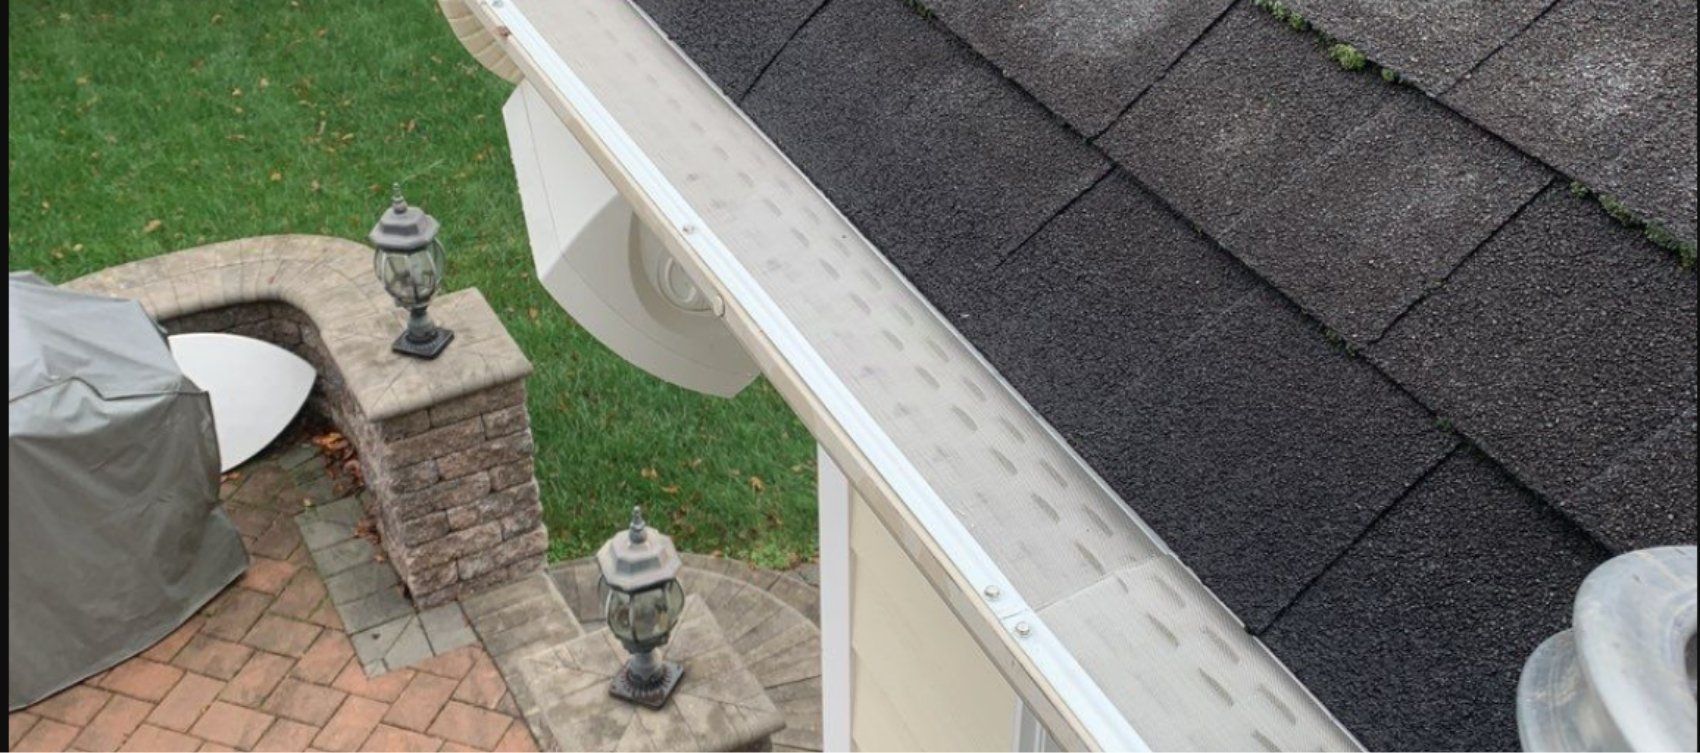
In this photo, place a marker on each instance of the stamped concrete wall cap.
(330, 281)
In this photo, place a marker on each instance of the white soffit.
(991, 483)
(255, 388)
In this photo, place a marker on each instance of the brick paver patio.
(267, 666)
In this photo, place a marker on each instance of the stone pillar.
(454, 494)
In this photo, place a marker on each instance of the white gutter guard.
(1110, 641)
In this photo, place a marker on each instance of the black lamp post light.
(408, 259)
(643, 597)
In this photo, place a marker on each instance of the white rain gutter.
(1084, 554)
(1107, 727)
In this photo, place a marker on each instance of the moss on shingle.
(1284, 14)
(1658, 234)
(1349, 57)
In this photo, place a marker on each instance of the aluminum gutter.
(1032, 551)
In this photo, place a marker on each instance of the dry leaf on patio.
(351, 467)
(367, 529)
(330, 442)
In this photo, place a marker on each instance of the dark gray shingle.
(1085, 59)
(1370, 224)
(917, 140)
(1561, 344)
(1655, 176)
(731, 40)
(1237, 115)
(1103, 293)
(1646, 497)
(1585, 84)
(1416, 637)
(1429, 42)
(1259, 452)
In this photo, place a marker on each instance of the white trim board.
(833, 516)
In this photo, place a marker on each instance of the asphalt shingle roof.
(1564, 342)
(1415, 638)
(1244, 109)
(1431, 43)
(1602, 90)
(1370, 223)
(1106, 289)
(1259, 451)
(731, 40)
(1085, 59)
(1353, 348)
(871, 104)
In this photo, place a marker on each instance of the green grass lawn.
(140, 128)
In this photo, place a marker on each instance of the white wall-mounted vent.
(1622, 676)
(614, 276)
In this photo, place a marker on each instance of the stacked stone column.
(451, 486)
(454, 493)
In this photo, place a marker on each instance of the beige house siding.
(919, 680)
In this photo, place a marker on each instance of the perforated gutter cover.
(1113, 642)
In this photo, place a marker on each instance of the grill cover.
(115, 533)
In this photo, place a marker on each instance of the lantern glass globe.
(645, 618)
(410, 277)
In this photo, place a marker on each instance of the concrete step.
(517, 621)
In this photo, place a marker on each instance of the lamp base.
(426, 349)
(654, 694)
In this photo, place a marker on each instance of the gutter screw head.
(993, 592)
(1023, 629)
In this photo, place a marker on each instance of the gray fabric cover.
(115, 533)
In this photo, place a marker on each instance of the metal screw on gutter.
(992, 593)
(1023, 629)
